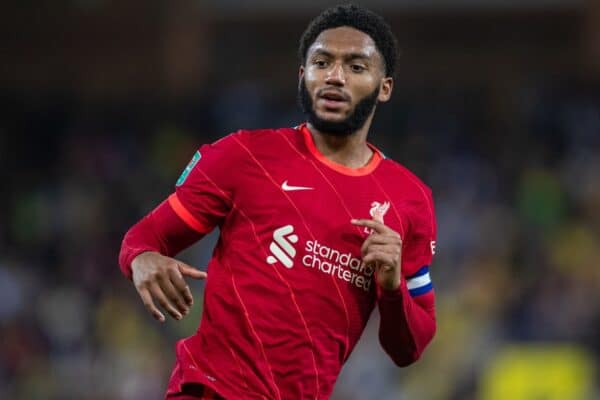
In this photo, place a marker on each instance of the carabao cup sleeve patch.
(186, 172)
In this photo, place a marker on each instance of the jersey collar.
(342, 169)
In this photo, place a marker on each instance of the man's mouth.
(332, 99)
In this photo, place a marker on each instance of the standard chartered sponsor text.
(337, 264)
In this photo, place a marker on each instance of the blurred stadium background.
(496, 106)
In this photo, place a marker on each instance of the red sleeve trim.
(187, 216)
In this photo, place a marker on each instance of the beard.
(346, 127)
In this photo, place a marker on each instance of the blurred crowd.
(517, 198)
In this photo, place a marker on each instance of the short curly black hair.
(358, 18)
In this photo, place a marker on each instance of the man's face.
(342, 81)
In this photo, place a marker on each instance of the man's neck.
(351, 151)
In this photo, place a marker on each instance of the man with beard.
(317, 227)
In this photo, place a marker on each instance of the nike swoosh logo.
(289, 188)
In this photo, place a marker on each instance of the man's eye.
(357, 68)
(320, 63)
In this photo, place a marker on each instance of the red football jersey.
(287, 296)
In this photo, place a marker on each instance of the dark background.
(496, 106)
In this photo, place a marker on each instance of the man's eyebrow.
(322, 52)
(354, 56)
(350, 56)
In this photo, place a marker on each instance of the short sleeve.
(205, 190)
(419, 247)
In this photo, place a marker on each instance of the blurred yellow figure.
(540, 372)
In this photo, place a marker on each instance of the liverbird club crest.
(378, 211)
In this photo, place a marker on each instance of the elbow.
(125, 256)
(406, 352)
(405, 362)
(138, 239)
(404, 358)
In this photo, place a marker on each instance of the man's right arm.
(203, 198)
(145, 258)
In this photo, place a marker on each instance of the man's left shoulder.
(399, 173)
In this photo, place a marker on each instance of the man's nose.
(335, 75)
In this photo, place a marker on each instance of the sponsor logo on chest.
(318, 257)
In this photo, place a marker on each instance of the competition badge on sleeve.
(188, 169)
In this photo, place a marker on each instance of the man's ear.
(301, 73)
(385, 89)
